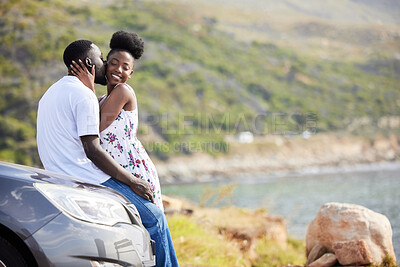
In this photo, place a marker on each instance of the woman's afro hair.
(131, 42)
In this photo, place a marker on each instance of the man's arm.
(107, 164)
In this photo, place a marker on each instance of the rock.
(245, 224)
(341, 222)
(315, 253)
(172, 203)
(175, 205)
(352, 252)
(327, 260)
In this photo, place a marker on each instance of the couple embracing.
(98, 143)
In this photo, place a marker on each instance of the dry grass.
(233, 237)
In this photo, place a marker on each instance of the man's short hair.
(76, 50)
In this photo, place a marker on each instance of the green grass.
(197, 245)
(272, 254)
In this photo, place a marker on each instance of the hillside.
(204, 75)
(326, 29)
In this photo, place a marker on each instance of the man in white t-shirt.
(68, 125)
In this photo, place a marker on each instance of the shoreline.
(278, 156)
(256, 177)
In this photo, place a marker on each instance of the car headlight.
(85, 205)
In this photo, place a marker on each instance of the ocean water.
(297, 197)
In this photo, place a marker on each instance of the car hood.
(33, 175)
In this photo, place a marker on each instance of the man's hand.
(103, 160)
(142, 188)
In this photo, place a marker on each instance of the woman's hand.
(83, 74)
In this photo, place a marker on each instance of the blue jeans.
(153, 220)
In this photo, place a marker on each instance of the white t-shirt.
(67, 111)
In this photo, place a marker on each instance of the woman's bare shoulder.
(123, 88)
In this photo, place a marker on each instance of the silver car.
(50, 219)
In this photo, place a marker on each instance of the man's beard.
(100, 76)
(100, 80)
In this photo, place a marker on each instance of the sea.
(298, 195)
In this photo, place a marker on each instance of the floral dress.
(120, 141)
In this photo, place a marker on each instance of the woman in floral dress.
(120, 141)
(119, 115)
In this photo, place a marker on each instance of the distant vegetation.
(195, 83)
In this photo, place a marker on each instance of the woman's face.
(119, 67)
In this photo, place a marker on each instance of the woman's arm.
(121, 97)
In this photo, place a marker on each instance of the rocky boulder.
(355, 234)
